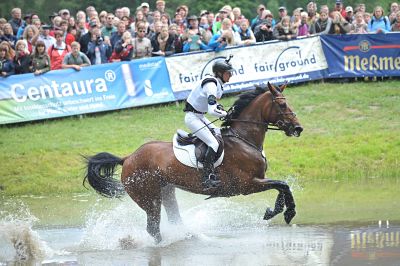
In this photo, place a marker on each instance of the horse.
(151, 173)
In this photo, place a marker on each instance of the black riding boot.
(209, 179)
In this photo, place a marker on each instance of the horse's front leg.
(285, 197)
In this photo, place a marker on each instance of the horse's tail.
(100, 174)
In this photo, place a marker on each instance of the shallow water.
(89, 230)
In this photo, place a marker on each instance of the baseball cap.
(338, 2)
(144, 4)
(282, 8)
(349, 9)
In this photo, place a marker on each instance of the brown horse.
(151, 173)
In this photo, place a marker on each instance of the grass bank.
(351, 132)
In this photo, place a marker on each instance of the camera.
(99, 40)
(223, 39)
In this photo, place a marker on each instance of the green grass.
(350, 132)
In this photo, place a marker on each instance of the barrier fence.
(164, 79)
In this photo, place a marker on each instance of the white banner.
(296, 60)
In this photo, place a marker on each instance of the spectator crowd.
(90, 37)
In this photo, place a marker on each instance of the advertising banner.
(93, 89)
(359, 55)
(293, 61)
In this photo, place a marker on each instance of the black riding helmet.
(222, 65)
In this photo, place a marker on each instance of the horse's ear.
(272, 89)
(283, 87)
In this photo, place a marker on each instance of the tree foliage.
(45, 7)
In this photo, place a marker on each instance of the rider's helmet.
(221, 66)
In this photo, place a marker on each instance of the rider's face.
(226, 76)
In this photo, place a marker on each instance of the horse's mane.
(244, 100)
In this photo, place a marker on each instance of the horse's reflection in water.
(151, 173)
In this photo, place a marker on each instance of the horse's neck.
(250, 124)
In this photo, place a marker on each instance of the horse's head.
(280, 114)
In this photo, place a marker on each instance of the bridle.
(280, 124)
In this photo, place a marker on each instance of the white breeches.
(197, 123)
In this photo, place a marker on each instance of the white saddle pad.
(186, 154)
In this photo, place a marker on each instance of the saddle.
(190, 150)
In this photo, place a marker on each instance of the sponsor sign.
(359, 55)
(292, 61)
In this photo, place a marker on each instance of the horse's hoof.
(269, 213)
(289, 214)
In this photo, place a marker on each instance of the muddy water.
(89, 230)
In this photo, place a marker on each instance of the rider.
(202, 100)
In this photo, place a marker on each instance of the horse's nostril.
(298, 130)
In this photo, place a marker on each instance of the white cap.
(349, 9)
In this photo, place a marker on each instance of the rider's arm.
(213, 106)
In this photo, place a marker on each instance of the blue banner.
(359, 55)
(93, 89)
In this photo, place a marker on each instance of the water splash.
(17, 239)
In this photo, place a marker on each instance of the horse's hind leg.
(150, 202)
(170, 204)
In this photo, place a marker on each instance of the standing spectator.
(265, 15)
(30, 34)
(45, 37)
(116, 36)
(8, 35)
(173, 31)
(81, 29)
(224, 37)
(86, 38)
(282, 13)
(9, 48)
(223, 14)
(40, 59)
(283, 30)
(64, 14)
(360, 8)
(263, 32)
(139, 17)
(349, 14)
(6, 63)
(108, 28)
(75, 59)
(58, 51)
(323, 24)
(98, 50)
(157, 29)
(394, 8)
(246, 34)
(312, 13)
(178, 20)
(359, 26)
(194, 38)
(146, 11)
(396, 24)
(160, 7)
(303, 29)
(16, 20)
(68, 37)
(339, 8)
(367, 17)
(339, 24)
(123, 50)
(22, 60)
(163, 43)
(165, 19)
(260, 9)
(379, 23)
(142, 45)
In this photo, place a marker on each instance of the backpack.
(385, 19)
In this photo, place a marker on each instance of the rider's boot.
(209, 179)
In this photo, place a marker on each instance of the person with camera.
(225, 37)
(263, 32)
(203, 100)
(194, 37)
(99, 50)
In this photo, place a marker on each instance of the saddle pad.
(187, 156)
